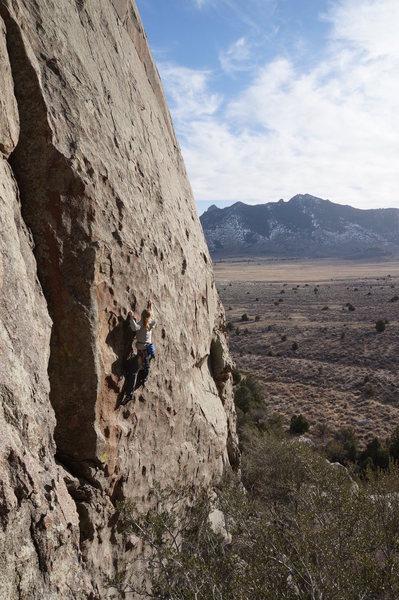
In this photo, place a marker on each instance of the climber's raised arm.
(132, 321)
(150, 308)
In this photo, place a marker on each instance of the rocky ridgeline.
(305, 226)
(96, 215)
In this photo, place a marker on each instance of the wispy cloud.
(237, 57)
(331, 131)
(247, 14)
(368, 25)
(190, 94)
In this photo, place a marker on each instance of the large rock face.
(96, 215)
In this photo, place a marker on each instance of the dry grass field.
(342, 372)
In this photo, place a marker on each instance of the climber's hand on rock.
(130, 314)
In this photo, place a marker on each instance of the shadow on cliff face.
(120, 339)
(56, 208)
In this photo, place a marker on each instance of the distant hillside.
(305, 226)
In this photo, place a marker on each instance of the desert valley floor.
(311, 338)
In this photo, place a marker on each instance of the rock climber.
(145, 350)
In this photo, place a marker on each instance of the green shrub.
(243, 398)
(369, 390)
(343, 448)
(294, 346)
(380, 326)
(393, 444)
(236, 376)
(275, 424)
(299, 424)
(335, 452)
(259, 417)
(249, 394)
(255, 387)
(244, 317)
(230, 326)
(374, 455)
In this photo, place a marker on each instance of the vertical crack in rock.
(59, 216)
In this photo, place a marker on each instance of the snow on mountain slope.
(303, 226)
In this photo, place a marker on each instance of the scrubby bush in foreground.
(303, 529)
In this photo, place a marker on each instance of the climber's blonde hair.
(145, 317)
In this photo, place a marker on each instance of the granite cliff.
(97, 214)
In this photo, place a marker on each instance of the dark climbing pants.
(135, 365)
(132, 371)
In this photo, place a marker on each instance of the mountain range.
(305, 226)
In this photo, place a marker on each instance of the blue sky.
(271, 98)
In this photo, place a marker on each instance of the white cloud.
(189, 92)
(237, 57)
(332, 131)
(370, 25)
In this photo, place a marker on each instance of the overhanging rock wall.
(97, 215)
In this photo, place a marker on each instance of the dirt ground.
(311, 339)
(302, 270)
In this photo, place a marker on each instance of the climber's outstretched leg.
(146, 369)
(143, 367)
(131, 379)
